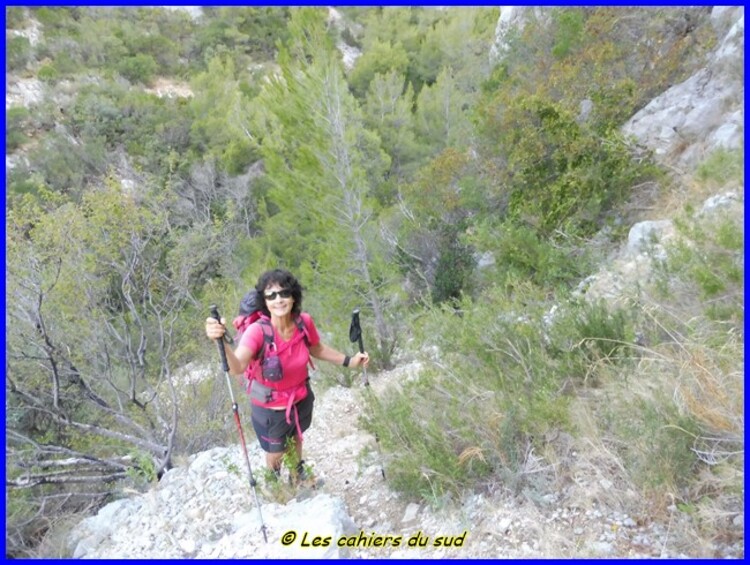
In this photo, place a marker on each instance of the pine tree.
(323, 165)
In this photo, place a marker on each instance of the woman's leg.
(273, 431)
(270, 429)
(273, 460)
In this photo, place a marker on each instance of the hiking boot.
(302, 474)
(301, 477)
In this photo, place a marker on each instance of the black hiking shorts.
(271, 426)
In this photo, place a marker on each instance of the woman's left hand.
(360, 360)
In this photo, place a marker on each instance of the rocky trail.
(207, 510)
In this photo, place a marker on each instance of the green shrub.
(678, 413)
(568, 28)
(521, 253)
(468, 421)
(453, 271)
(138, 68)
(18, 53)
(162, 49)
(381, 57)
(437, 455)
(15, 18)
(561, 176)
(238, 156)
(705, 267)
(21, 183)
(48, 73)
(16, 123)
(14, 139)
(53, 19)
(210, 423)
(65, 64)
(59, 165)
(603, 332)
(654, 440)
(721, 167)
(143, 470)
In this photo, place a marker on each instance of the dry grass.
(708, 380)
(596, 466)
(683, 379)
(685, 189)
(471, 453)
(714, 398)
(54, 542)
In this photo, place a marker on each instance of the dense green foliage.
(446, 194)
(661, 376)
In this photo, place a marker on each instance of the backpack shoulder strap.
(303, 328)
(268, 342)
(268, 337)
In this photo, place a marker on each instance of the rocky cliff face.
(704, 113)
(691, 119)
(682, 127)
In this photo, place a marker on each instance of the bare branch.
(36, 480)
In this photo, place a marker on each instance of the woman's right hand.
(214, 329)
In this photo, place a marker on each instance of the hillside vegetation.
(164, 159)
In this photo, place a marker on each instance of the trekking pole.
(355, 334)
(235, 410)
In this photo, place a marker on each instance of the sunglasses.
(286, 293)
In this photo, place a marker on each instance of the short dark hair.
(284, 279)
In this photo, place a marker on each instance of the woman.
(282, 401)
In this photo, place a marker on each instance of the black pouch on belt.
(271, 368)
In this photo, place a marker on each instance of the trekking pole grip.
(355, 318)
(220, 341)
(355, 334)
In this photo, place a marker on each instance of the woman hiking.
(284, 338)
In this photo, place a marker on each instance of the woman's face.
(278, 299)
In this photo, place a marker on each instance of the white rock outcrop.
(207, 511)
(704, 113)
